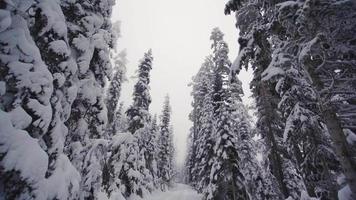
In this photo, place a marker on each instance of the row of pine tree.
(63, 133)
(302, 54)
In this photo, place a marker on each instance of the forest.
(67, 134)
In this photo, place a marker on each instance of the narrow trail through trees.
(177, 192)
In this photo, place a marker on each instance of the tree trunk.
(274, 157)
(339, 142)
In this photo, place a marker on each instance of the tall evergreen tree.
(36, 94)
(138, 112)
(138, 179)
(214, 159)
(89, 35)
(165, 166)
(113, 93)
(253, 21)
(226, 180)
(302, 51)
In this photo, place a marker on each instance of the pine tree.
(326, 56)
(165, 154)
(259, 185)
(138, 112)
(204, 96)
(253, 20)
(305, 38)
(26, 88)
(120, 122)
(137, 177)
(213, 158)
(113, 93)
(56, 53)
(90, 37)
(36, 83)
(152, 151)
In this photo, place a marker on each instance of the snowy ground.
(178, 192)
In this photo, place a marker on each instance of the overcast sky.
(178, 32)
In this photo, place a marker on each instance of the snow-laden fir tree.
(137, 178)
(213, 161)
(253, 21)
(36, 95)
(55, 51)
(138, 112)
(305, 134)
(165, 151)
(152, 150)
(260, 185)
(226, 179)
(120, 121)
(310, 52)
(89, 35)
(202, 94)
(113, 93)
(325, 58)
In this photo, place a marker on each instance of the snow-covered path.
(178, 192)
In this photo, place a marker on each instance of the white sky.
(178, 32)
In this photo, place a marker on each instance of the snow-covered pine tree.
(165, 148)
(259, 185)
(138, 179)
(152, 150)
(36, 95)
(188, 176)
(89, 34)
(113, 93)
(305, 134)
(26, 89)
(328, 56)
(190, 162)
(226, 180)
(317, 88)
(202, 99)
(55, 52)
(203, 95)
(256, 45)
(138, 112)
(120, 122)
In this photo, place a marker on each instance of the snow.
(56, 185)
(121, 138)
(345, 193)
(350, 136)
(178, 192)
(23, 153)
(59, 47)
(286, 4)
(5, 20)
(275, 68)
(304, 196)
(55, 17)
(43, 111)
(19, 118)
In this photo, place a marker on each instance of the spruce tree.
(89, 35)
(113, 93)
(305, 38)
(165, 166)
(213, 158)
(137, 178)
(37, 74)
(255, 50)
